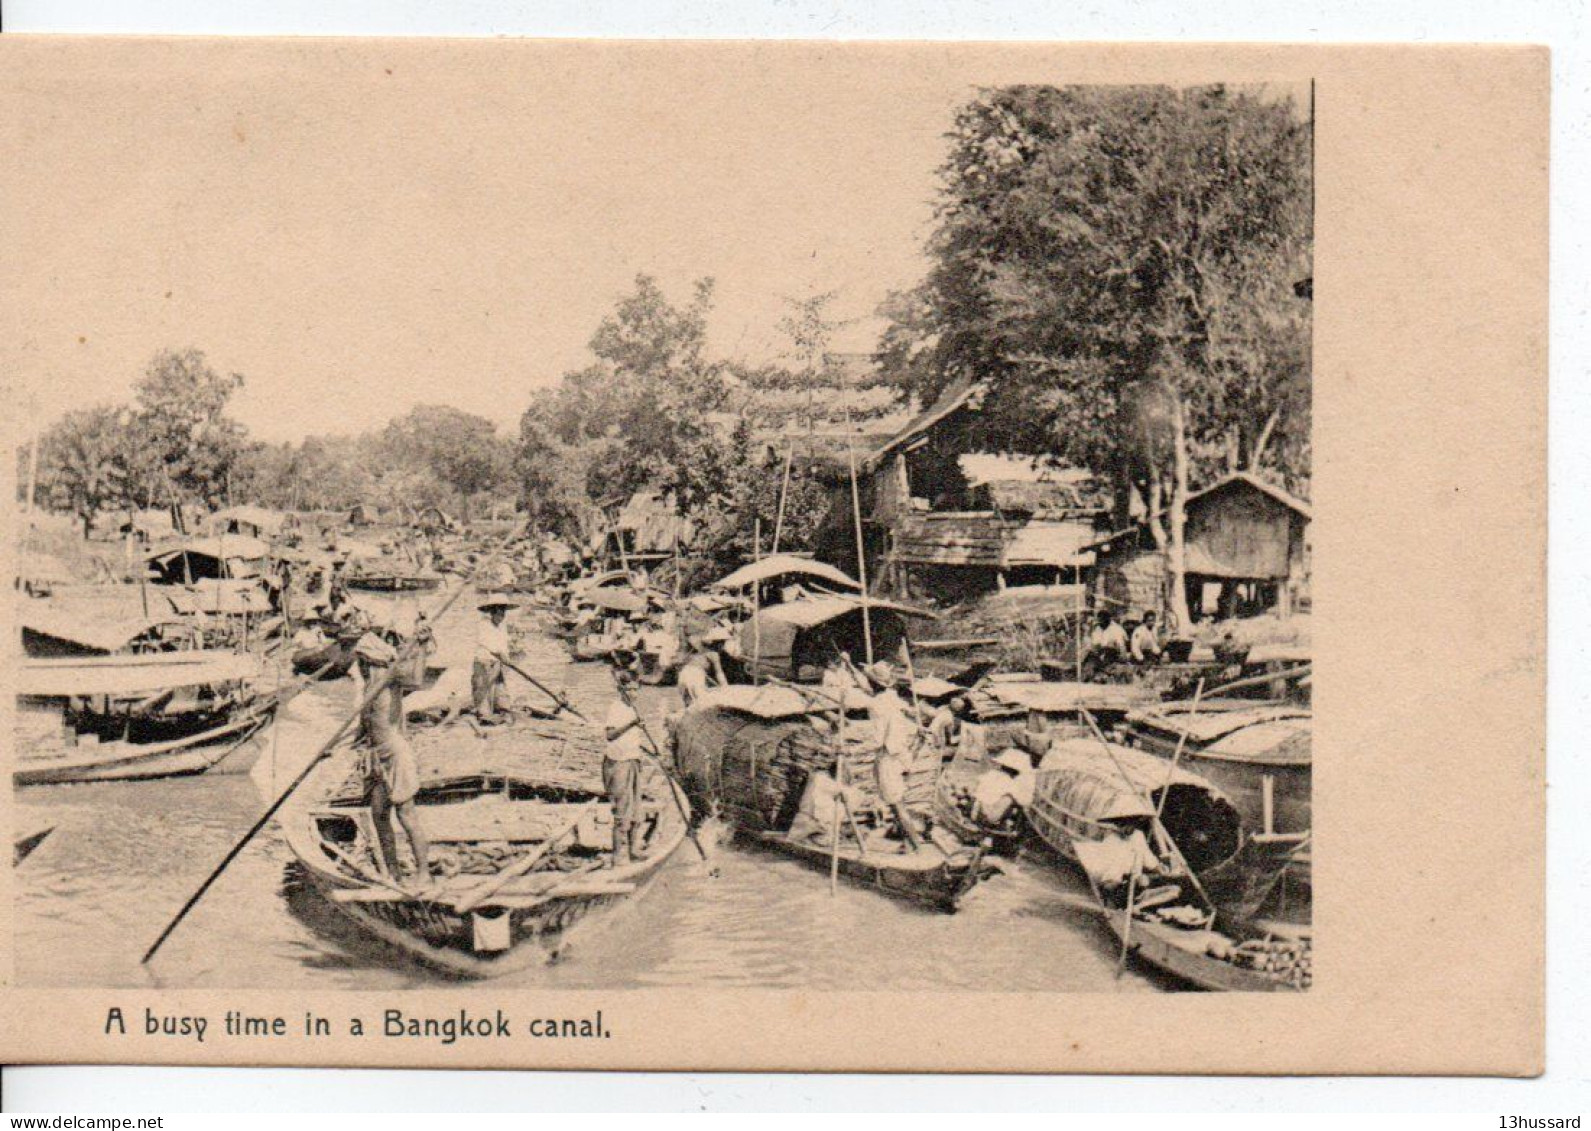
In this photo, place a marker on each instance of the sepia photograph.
(542, 529)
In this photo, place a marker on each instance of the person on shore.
(893, 733)
(491, 651)
(1146, 641)
(1107, 645)
(390, 770)
(621, 771)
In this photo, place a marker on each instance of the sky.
(361, 229)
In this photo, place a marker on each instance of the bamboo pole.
(861, 550)
(756, 604)
(784, 491)
(377, 685)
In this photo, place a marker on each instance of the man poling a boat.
(491, 651)
(894, 733)
(388, 764)
(621, 770)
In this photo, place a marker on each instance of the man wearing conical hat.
(491, 651)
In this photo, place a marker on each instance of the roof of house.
(1249, 479)
(1227, 483)
(959, 394)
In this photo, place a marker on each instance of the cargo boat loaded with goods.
(747, 754)
(521, 847)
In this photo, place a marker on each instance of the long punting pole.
(375, 688)
(861, 553)
(784, 491)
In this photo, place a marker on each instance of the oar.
(563, 704)
(377, 685)
(656, 754)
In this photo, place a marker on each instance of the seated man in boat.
(944, 725)
(1146, 641)
(391, 772)
(1003, 791)
(821, 814)
(895, 735)
(311, 632)
(695, 678)
(491, 650)
(621, 771)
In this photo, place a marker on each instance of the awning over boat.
(141, 674)
(1086, 779)
(812, 611)
(617, 600)
(224, 597)
(785, 565)
(765, 702)
(1283, 742)
(81, 633)
(1214, 719)
(260, 519)
(1067, 698)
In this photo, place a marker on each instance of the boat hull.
(1160, 946)
(927, 877)
(229, 749)
(434, 932)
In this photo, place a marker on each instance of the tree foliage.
(1110, 258)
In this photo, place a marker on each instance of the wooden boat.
(747, 753)
(393, 582)
(1258, 755)
(129, 717)
(1089, 791)
(927, 875)
(520, 845)
(1167, 923)
(1186, 954)
(230, 747)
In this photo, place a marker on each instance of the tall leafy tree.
(1118, 265)
(83, 464)
(181, 418)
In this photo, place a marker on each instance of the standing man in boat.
(621, 770)
(491, 649)
(894, 734)
(390, 769)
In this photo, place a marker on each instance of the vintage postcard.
(779, 556)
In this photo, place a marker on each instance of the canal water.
(124, 857)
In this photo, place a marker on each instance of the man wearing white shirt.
(491, 650)
(621, 772)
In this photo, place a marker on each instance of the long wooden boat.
(229, 747)
(1089, 791)
(747, 753)
(927, 875)
(1187, 955)
(137, 716)
(520, 852)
